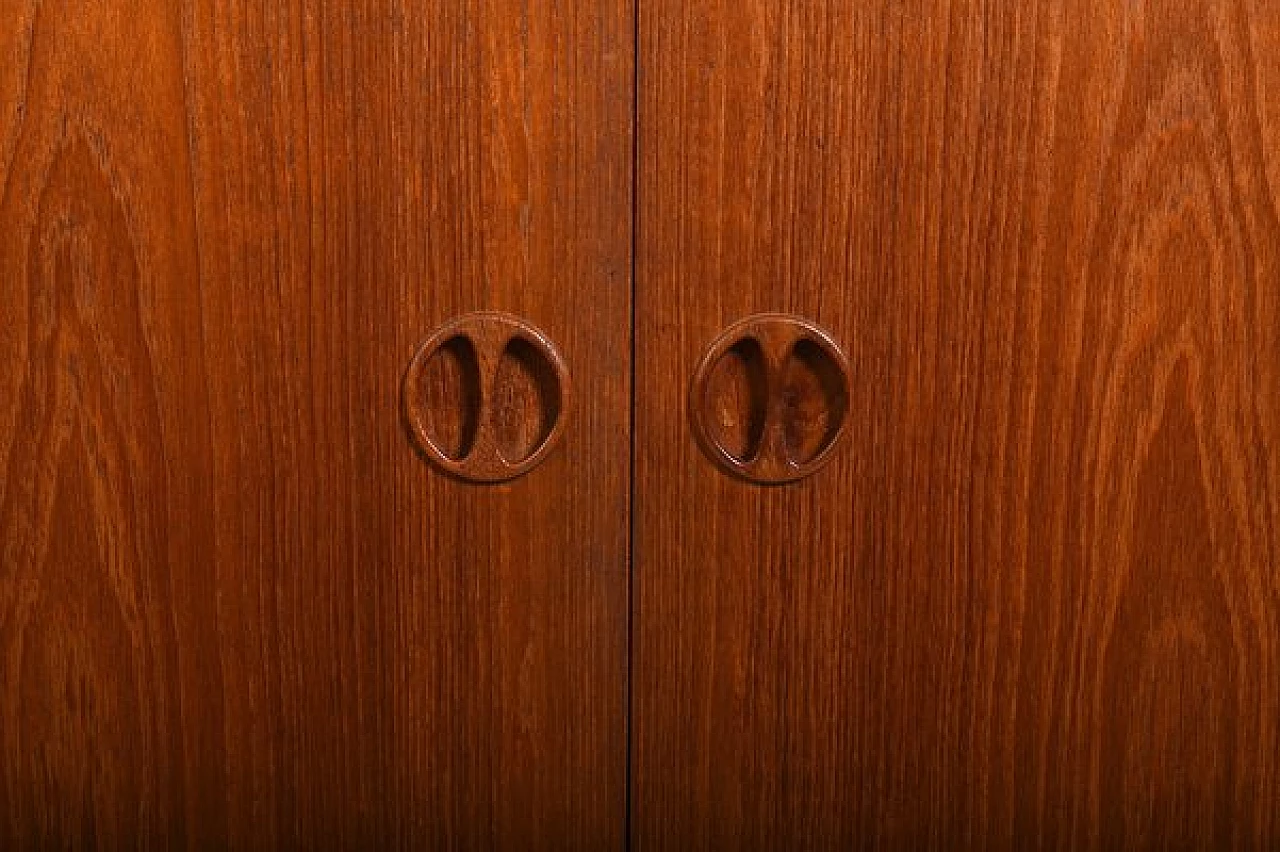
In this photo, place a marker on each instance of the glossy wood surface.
(237, 609)
(1034, 602)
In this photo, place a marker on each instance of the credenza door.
(1031, 598)
(239, 607)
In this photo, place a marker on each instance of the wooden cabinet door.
(1033, 602)
(237, 609)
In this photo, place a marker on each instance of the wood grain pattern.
(236, 609)
(1035, 601)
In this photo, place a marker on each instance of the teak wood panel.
(237, 610)
(1034, 602)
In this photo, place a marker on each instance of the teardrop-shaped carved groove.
(449, 388)
(526, 400)
(812, 401)
(736, 399)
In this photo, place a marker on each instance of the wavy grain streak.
(79, 520)
(104, 456)
(1174, 648)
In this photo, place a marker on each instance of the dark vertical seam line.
(629, 761)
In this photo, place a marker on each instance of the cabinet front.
(1031, 597)
(241, 605)
(655, 424)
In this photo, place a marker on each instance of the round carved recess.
(770, 399)
(485, 397)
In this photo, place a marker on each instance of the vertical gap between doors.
(629, 762)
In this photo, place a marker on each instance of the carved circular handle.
(770, 399)
(485, 397)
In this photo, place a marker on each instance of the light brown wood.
(237, 609)
(1034, 600)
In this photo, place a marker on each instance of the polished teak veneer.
(652, 424)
